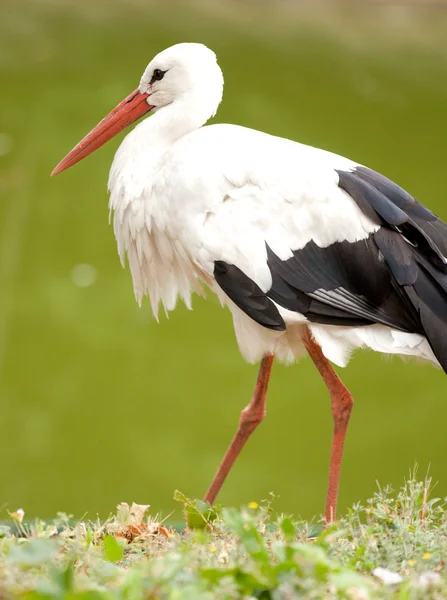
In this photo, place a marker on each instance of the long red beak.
(129, 110)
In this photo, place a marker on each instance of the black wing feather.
(248, 296)
(396, 211)
(344, 284)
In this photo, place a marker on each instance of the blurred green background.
(99, 404)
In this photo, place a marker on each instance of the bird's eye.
(158, 75)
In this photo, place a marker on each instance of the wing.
(397, 276)
(413, 242)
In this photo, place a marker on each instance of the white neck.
(137, 157)
(175, 120)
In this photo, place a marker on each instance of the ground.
(393, 547)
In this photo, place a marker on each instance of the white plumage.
(184, 196)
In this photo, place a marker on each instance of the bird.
(311, 252)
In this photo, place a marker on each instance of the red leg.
(341, 405)
(250, 418)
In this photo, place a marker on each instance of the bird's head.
(185, 74)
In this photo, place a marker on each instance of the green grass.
(227, 553)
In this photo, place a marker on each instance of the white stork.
(310, 251)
